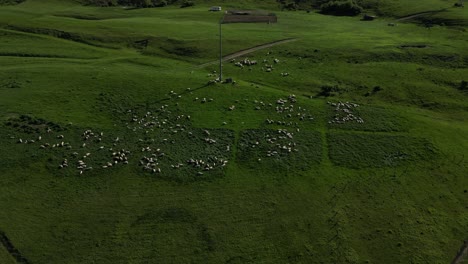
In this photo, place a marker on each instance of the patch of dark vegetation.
(335, 7)
(341, 8)
(180, 48)
(329, 91)
(14, 252)
(141, 44)
(374, 91)
(463, 86)
(418, 46)
(431, 21)
(288, 5)
(356, 150)
(187, 3)
(100, 2)
(11, 83)
(11, 2)
(47, 31)
(279, 149)
(131, 3)
(81, 16)
(31, 125)
(175, 220)
(183, 51)
(30, 55)
(168, 47)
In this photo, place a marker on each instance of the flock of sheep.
(267, 66)
(344, 113)
(160, 128)
(290, 113)
(279, 142)
(170, 125)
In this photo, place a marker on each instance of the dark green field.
(347, 145)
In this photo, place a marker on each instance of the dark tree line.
(138, 3)
(331, 7)
(10, 2)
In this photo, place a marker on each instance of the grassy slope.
(413, 212)
(5, 257)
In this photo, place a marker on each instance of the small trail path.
(462, 254)
(14, 252)
(249, 50)
(415, 15)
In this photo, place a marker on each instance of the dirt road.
(408, 17)
(249, 50)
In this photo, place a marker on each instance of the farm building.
(249, 16)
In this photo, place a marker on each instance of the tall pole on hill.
(240, 17)
(220, 53)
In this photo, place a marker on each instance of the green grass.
(389, 190)
(355, 150)
(5, 257)
(376, 119)
(275, 150)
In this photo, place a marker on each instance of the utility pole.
(259, 18)
(220, 54)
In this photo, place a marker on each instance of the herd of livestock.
(154, 131)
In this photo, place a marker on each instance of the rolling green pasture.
(250, 172)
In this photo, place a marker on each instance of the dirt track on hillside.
(462, 254)
(250, 50)
(411, 16)
(5, 241)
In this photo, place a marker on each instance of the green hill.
(343, 143)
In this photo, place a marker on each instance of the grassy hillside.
(116, 147)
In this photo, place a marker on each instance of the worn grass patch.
(189, 237)
(355, 150)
